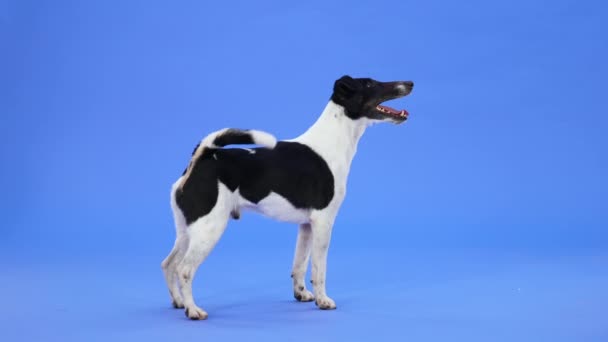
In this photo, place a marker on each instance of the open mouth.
(392, 91)
(392, 112)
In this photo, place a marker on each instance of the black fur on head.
(362, 97)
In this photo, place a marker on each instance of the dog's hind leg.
(300, 264)
(170, 263)
(203, 235)
(169, 269)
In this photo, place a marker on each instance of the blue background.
(482, 218)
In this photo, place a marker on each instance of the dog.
(302, 181)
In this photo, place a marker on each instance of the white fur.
(300, 263)
(177, 253)
(263, 138)
(277, 207)
(334, 137)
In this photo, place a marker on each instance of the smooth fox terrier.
(302, 180)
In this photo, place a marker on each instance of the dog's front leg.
(321, 235)
(300, 263)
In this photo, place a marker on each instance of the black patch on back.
(199, 193)
(233, 137)
(291, 169)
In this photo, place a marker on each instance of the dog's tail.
(228, 136)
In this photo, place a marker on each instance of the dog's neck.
(335, 136)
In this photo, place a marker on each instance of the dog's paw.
(325, 303)
(177, 304)
(176, 300)
(303, 295)
(196, 313)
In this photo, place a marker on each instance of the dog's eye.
(368, 84)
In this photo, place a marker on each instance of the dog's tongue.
(393, 111)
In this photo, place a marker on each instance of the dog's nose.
(409, 84)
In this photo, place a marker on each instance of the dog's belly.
(277, 207)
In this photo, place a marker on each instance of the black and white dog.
(302, 180)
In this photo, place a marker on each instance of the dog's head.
(362, 98)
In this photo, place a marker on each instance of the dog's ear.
(347, 94)
(346, 86)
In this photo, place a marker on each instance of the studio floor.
(382, 295)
